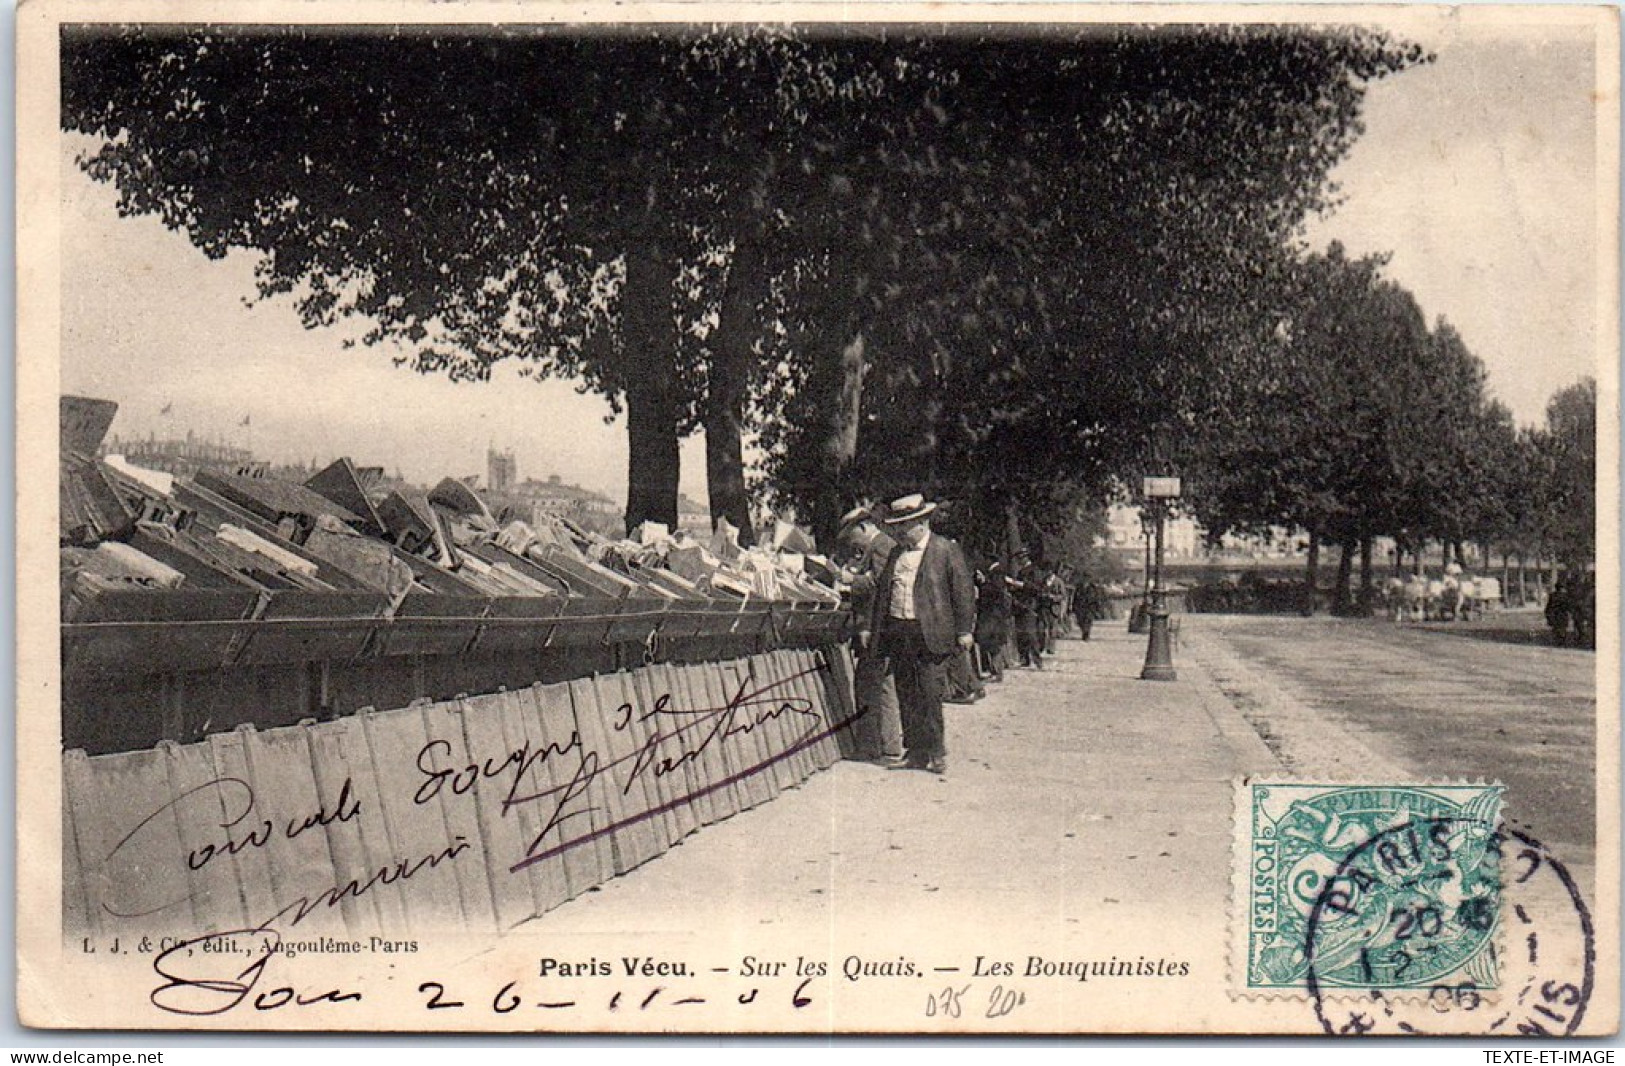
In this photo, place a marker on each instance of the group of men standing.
(923, 621)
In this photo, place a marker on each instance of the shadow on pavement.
(1496, 635)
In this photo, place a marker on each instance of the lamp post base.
(1159, 657)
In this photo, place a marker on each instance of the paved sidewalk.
(1087, 820)
(1075, 798)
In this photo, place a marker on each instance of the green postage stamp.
(1362, 888)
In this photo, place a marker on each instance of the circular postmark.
(1448, 924)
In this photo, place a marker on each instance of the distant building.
(556, 497)
(530, 499)
(1182, 538)
(502, 471)
(182, 458)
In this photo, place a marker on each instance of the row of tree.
(1356, 420)
(1002, 266)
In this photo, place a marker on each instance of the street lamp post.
(1159, 658)
(1139, 619)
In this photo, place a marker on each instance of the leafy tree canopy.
(1040, 237)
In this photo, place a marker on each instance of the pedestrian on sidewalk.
(993, 619)
(1086, 599)
(1026, 592)
(924, 613)
(878, 732)
(1051, 610)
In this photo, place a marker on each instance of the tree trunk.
(653, 404)
(1012, 533)
(653, 462)
(725, 472)
(728, 389)
(1367, 579)
(1311, 575)
(844, 382)
(1341, 598)
(848, 414)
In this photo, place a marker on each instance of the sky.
(149, 322)
(1476, 173)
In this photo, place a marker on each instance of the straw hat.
(907, 509)
(852, 518)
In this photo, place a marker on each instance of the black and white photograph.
(804, 519)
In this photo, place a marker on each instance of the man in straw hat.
(878, 732)
(924, 612)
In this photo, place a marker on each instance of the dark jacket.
(1027, 591)
(866, 568)
(944, 595)
(993, 599)
(1087, 599)
(993, 610)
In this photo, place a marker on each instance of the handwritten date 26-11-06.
(202, 983)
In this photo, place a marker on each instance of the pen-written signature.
(193, 985)
(673, 738)
(697, 730)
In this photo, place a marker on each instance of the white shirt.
(902, 579)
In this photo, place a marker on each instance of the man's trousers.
(921, 676)
(880, 730)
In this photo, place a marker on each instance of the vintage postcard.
(802, 518)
